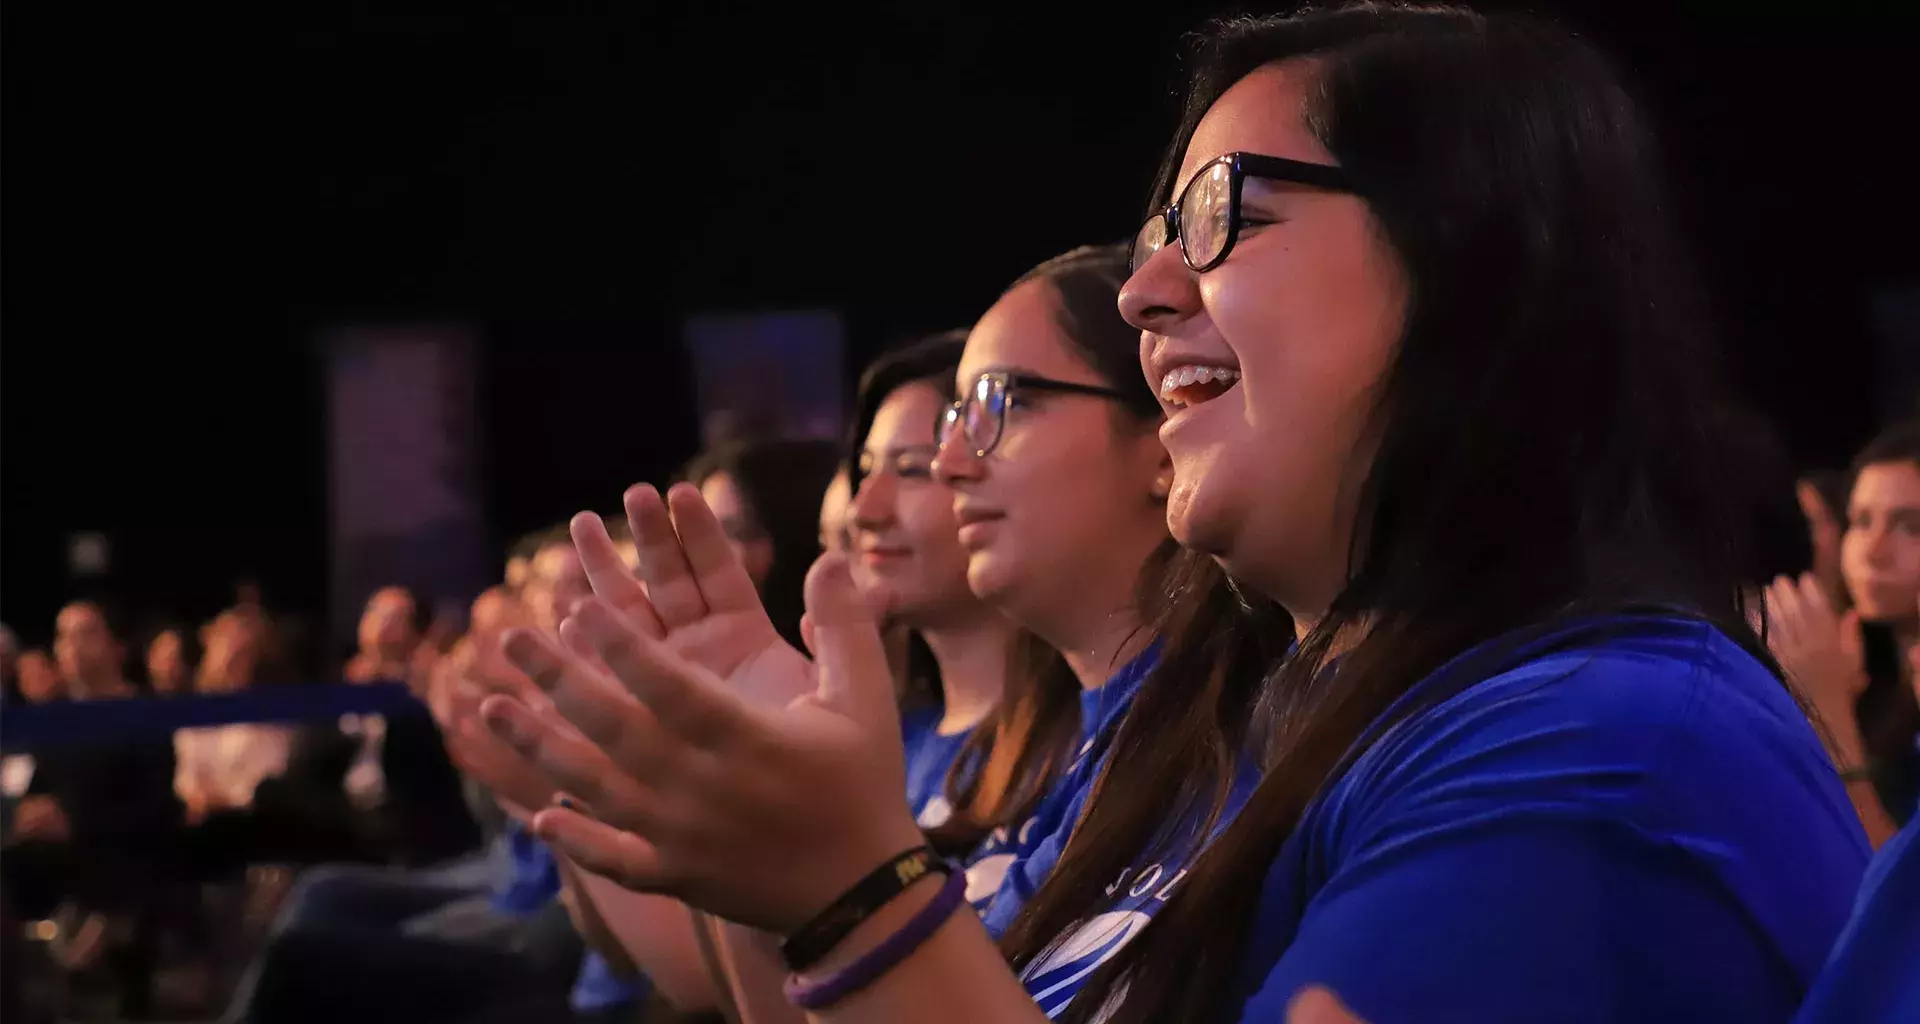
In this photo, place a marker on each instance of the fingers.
(671, 586)
(688, 701)
(609, 575)
(845, 639)
(601, 849)
(503, 770)
(723, 581)
(581, 694)
(1783, 614)
(1814, 597)
(567, 761)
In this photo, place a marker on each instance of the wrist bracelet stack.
(809, 944)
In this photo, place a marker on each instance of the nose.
(1879, 548)
(1162, 293)
(873, 502)
(955, 463)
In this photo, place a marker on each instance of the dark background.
(188, 204)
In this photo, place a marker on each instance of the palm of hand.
(715, 763)
(1819, 649)
(696, 596)
(741, 647)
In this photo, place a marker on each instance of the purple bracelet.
(884, 957)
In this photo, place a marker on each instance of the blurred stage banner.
(405, 498)
(773, 374)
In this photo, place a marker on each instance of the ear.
(1162, 468)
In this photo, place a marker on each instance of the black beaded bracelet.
(814, 940)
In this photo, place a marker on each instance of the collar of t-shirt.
(597, 988)
(1004, 870)
(531, 877)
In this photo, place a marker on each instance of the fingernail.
(563, 800)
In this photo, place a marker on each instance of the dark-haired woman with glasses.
(1058, 480)
(1440, 398)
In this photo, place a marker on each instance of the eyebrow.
(902, 449)
(1015, 370)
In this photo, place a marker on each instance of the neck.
(974, 655)
(1097, 648)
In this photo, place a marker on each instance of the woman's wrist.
(1843, 737)
(881, 845)
(879, 926)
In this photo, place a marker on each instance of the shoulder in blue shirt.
(930, 754)
(991, 863)
(1874, 972)
(1133, 898)
(1626, 819)
(531, 877)
(598, 988)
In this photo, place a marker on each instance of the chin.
(1884, 608)
(985, 577)
(1197, 525)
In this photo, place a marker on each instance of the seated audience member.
(219, 767)
(426, 948)
(40, 678)
(1854, 666)
(170, 661)
(99, 820)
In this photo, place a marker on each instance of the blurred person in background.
(389, 631)
(1855, 666)
(9, 663)
(219, 767)
(431, 944)
(40, 679)
(170, 662)
(98, 824)
(766, 494)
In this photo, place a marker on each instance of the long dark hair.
(1013, 759)
(1541, 452)
(781, 482)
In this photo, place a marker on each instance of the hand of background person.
(1821, 652)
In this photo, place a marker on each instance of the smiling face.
(1880, 551)
(1059, 517)
(1302, 319)
(904, 535)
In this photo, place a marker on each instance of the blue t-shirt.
(930, 754)
(1874, 972)
(991, 876)
(598, 988)
(1626, 819)
(529, 877)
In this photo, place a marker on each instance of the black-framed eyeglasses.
(1205, 217)
(979, 418)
